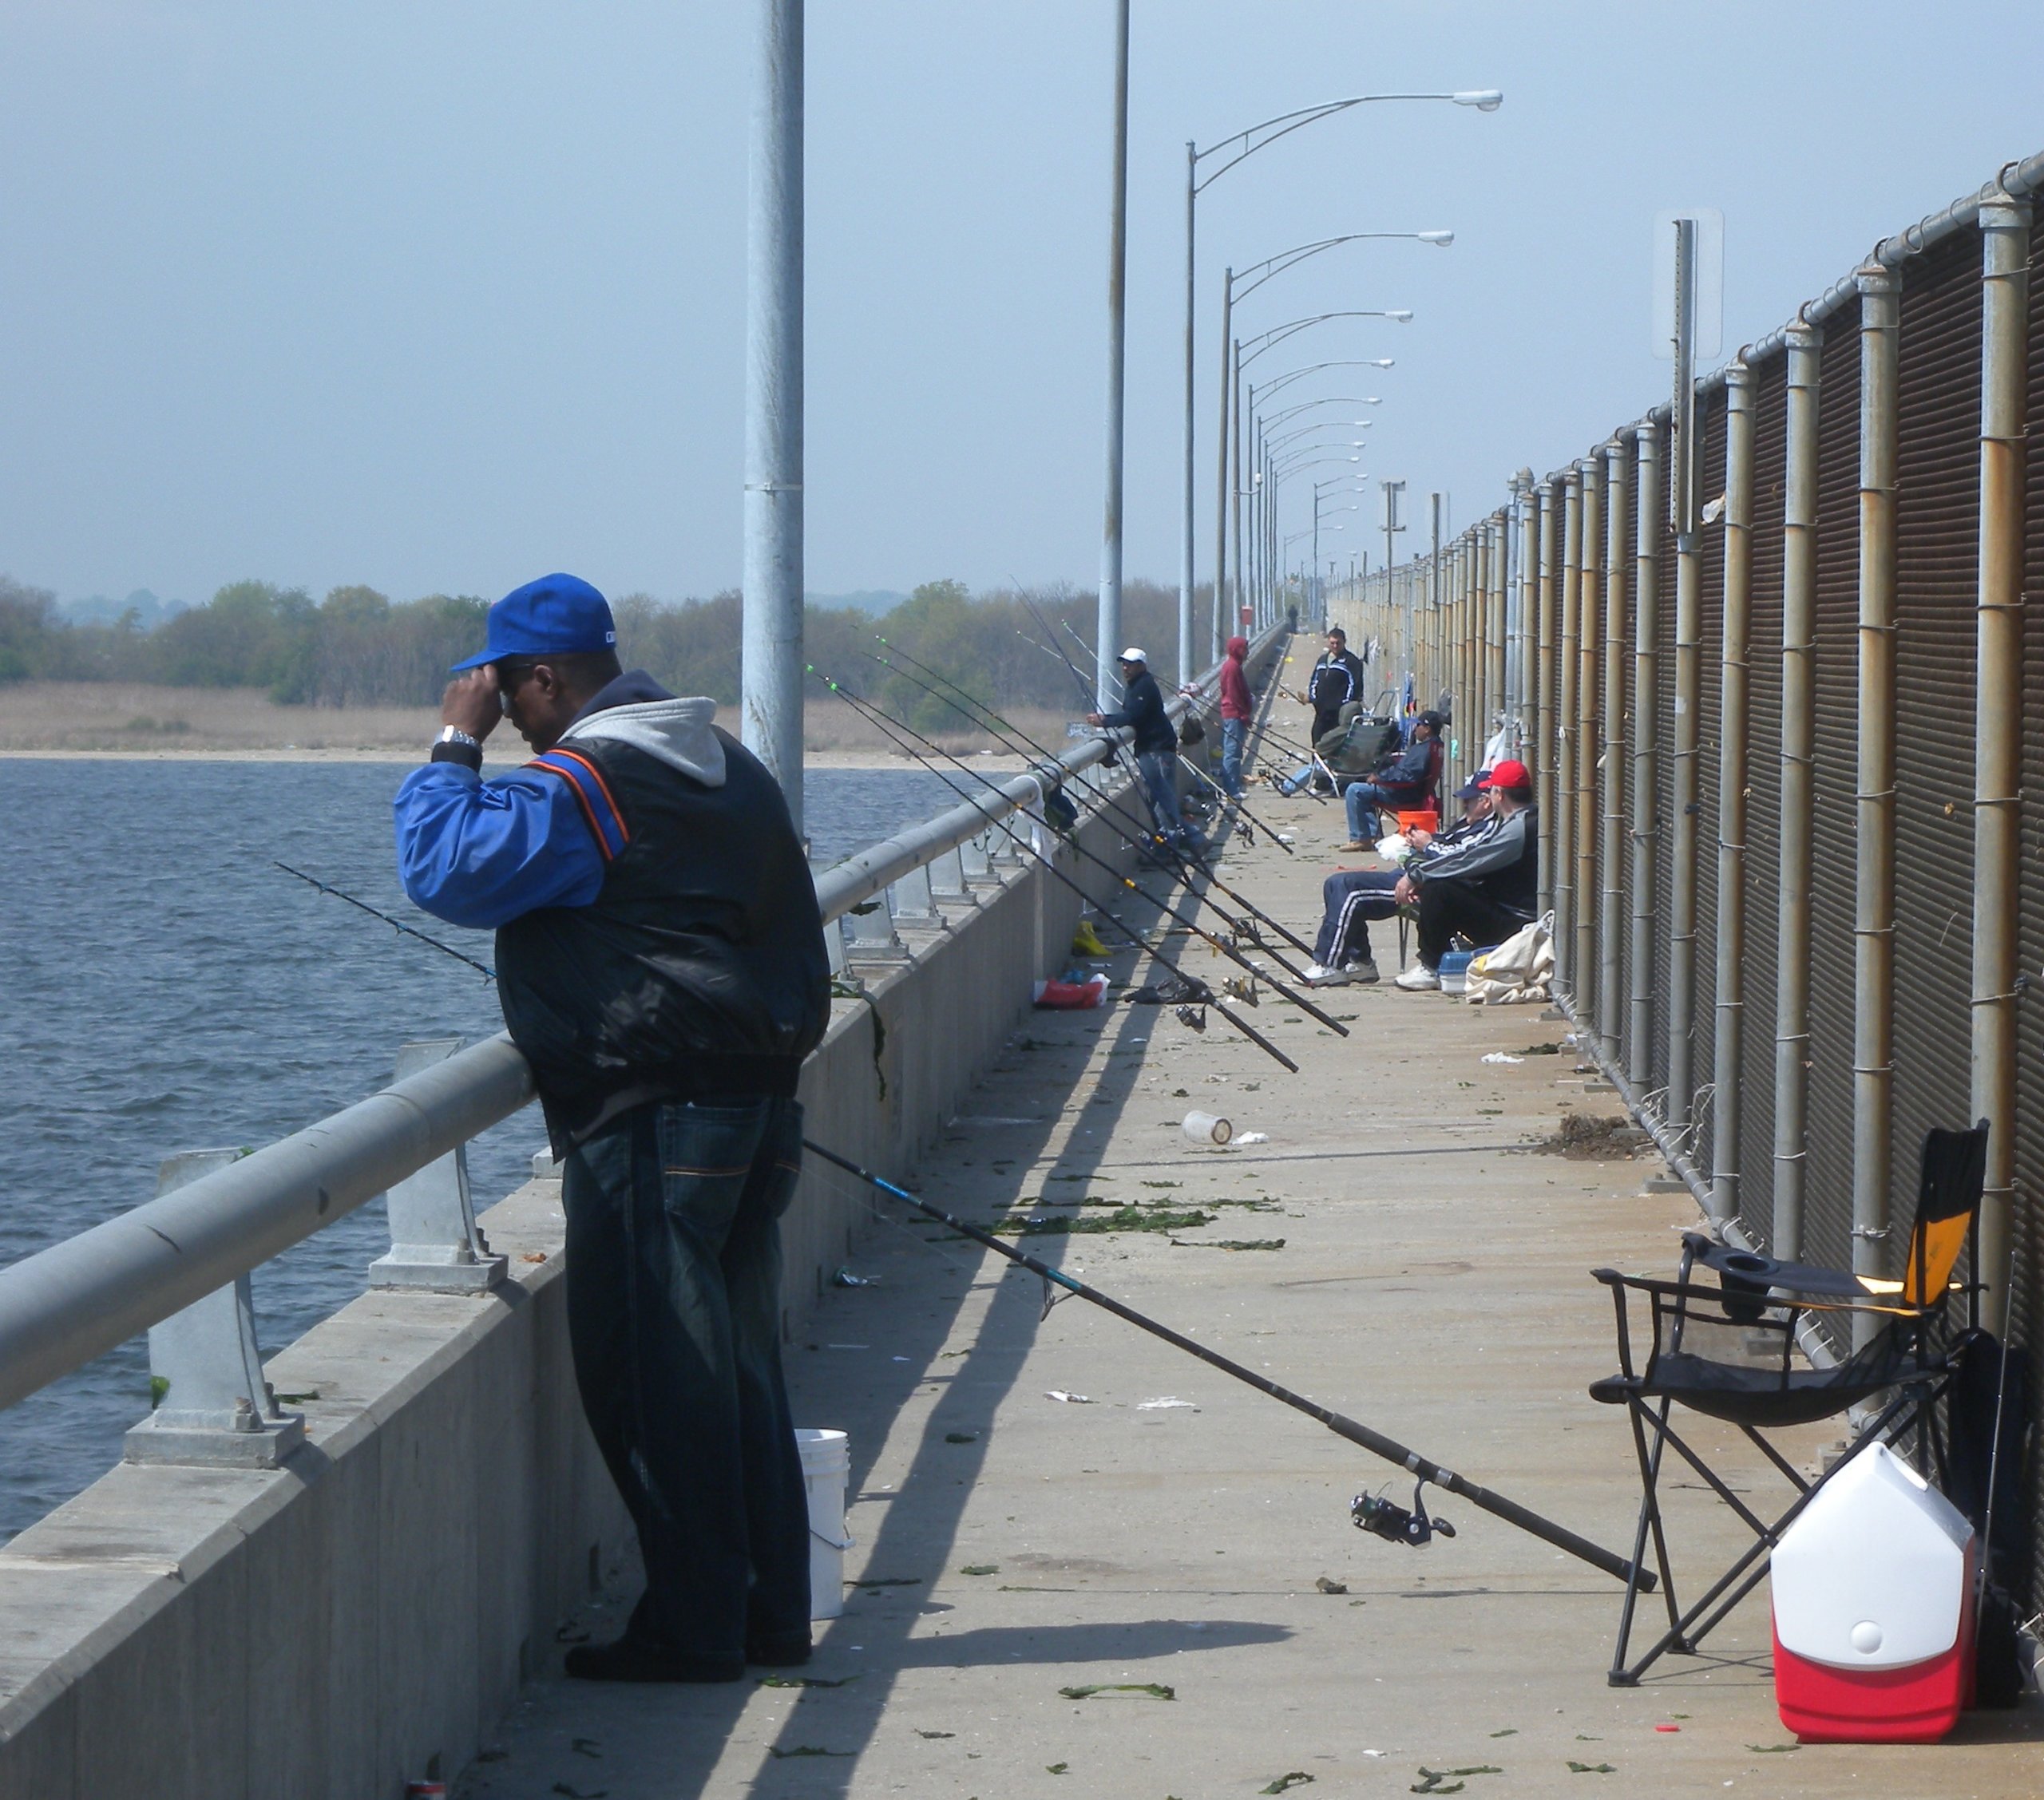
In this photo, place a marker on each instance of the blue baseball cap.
(555, 616)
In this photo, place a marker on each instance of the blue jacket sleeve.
(479, 853)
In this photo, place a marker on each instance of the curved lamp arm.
(1270, 339)
(1245, 144)
(1242, 286)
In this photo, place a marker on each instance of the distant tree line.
(358, 647)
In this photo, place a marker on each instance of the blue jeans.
(1159, 769)
(1362, 799)
(674, 1315)
(1234, 731)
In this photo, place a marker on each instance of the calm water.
(167, 989)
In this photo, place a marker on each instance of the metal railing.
(78, 1299)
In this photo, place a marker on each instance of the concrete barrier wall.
(366, 1614)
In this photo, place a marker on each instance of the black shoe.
(631, 1659)
(789, 1652)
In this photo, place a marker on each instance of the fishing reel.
(1192, 1018)
(1383, 1516)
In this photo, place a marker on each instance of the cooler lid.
(1872, 1574)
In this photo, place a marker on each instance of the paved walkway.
(1175, 1529)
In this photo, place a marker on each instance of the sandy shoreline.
(112, 721)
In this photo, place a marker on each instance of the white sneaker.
(1318, 974)
(1418, 979)
(1363, 973)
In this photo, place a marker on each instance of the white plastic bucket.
(1206, 1128)
(826, 1463)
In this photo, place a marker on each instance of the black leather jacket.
(699, 970)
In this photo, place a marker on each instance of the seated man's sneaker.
(1417, 979)
(1363, 973)
(1319, 975)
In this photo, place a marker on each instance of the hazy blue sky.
(439, 295)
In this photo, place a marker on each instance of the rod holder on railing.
(435, 1244)
(212, 1406)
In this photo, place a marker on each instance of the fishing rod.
(1012, 730)
(483, 969)
(1085, 693)
(1189, 921)
(1375, 1442)
(1195, 992)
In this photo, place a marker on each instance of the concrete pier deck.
(1173, 1527)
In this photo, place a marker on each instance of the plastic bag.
(1071, 995)
(1519, 970)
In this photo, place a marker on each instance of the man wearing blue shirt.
(660, 961)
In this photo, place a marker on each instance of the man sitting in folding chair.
(1351, 899)
(1700, 1353)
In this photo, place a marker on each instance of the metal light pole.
(1235, 149)
(770, 661)
(1108, 628)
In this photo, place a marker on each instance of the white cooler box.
(1874, 1587)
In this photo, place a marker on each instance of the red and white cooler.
(1874, 1608)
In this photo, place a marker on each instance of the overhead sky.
(438, 296)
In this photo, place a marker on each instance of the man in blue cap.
(660, 961)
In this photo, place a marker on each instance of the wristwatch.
(455, 745)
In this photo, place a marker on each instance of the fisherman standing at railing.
(660, 959)
(1156, 746)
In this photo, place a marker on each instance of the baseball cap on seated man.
(1132, 655)
(1509, 773)
(555, 616)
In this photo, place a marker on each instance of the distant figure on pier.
(1238, 708)
(1339, 677)
(660, 960)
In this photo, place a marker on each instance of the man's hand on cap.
(470, 703)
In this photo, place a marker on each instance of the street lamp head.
(1383, 362)
(1485, 100)
(1442, 238)
(1403, 315)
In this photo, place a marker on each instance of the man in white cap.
(1156, 746)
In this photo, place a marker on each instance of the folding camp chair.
(1725, 1347)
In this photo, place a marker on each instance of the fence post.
(1529, 607)
(1646, 741)
(1589, 632)
(1544, 747)
(1797, 868)
(1682, 809)
(1733, 722)
(1497, 709)
(1873, 929)
(1566, 706)
(1997, 741)
(1610, 933)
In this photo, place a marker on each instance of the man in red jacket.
(1235, 708)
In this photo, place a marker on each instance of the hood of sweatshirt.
(1239, 647)
(677, 730)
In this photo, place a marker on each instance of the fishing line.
(1375, 1442)
(483, 969)
(1190, 922)
(1005, 727)
(1195, 992)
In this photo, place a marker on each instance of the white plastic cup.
(826, 1463)
(1206, 1128)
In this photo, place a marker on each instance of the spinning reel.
(1383, 1516)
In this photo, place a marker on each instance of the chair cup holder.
(1745, 1280)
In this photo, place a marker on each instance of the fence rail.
(1791, 765)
